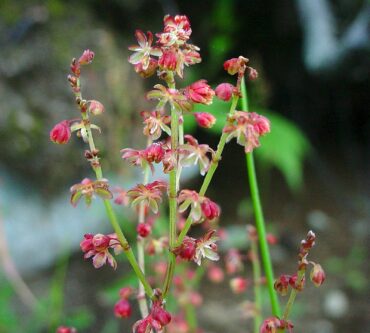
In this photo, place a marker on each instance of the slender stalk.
(203, 189)
(140, 249)
(256, 266)
(110, 212)
(210, 173)
(292, 296)
(191, 317)
(260, 223)
(172, 193)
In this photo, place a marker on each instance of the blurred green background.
(313, 64)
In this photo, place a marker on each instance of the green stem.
(112, 216)
(292, 296)
(212, 169)
(260, 223)
(172, 194)
(256, 266)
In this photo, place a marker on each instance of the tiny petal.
(122, 309)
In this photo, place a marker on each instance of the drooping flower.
(215, 274)
(144, 50)
(96, 108)
(247, 127)
(274, 324)
(281, 284)
(205, 119)
(187, 249)
(65, 329)
(206, 248)
(193, 153)
(317, 275)
(168, 60)
(155, 122)
(122, 309)
(143, 229)
(210, 209)
(97, 246)
(149, 194)
(61, 132)
(200, 92)
(224, 91)
(89, 188)
(157, 320)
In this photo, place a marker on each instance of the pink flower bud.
(154, 153)
(204, 119)
(200, 92)
(161, 315)
(100, 242)
(125, 292)
(317, 275)
(61, 132)
(238, 285)
(224, 91)
(187, 249)
(168, 61)
(143, 229)
(96, 108)
(65, 329)
(297, 284)
(196, 299)
(86, 58)
(210, 209)
(122, 309)
(282, 284)
(216, 274)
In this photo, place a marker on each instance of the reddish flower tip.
(61, 132)
(224, 91)
(86, 57)
(65, 329)
(204, 119)
(143, 229)
(317, 275)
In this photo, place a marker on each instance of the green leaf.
(285, 148)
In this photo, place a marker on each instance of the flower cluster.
(157, 320)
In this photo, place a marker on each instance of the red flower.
(149, 71)
(224, 91)
(168, 60)
(176, 30)
(281, 285)
(205, 119)
(61, 132)
(210, 209)
(122, 309)
(200, 92)
(155, 122)
(96, 108)
(235, 65)
(187, 249)
(143, 229)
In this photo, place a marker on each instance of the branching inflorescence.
(167, 145)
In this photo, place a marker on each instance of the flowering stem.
(140, 249)
(256, 266)
(260, 223)
(172, 193)
(110, 212)
(189, 221)
(293, 295)
(210, 173)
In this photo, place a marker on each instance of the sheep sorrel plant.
(168, 145)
